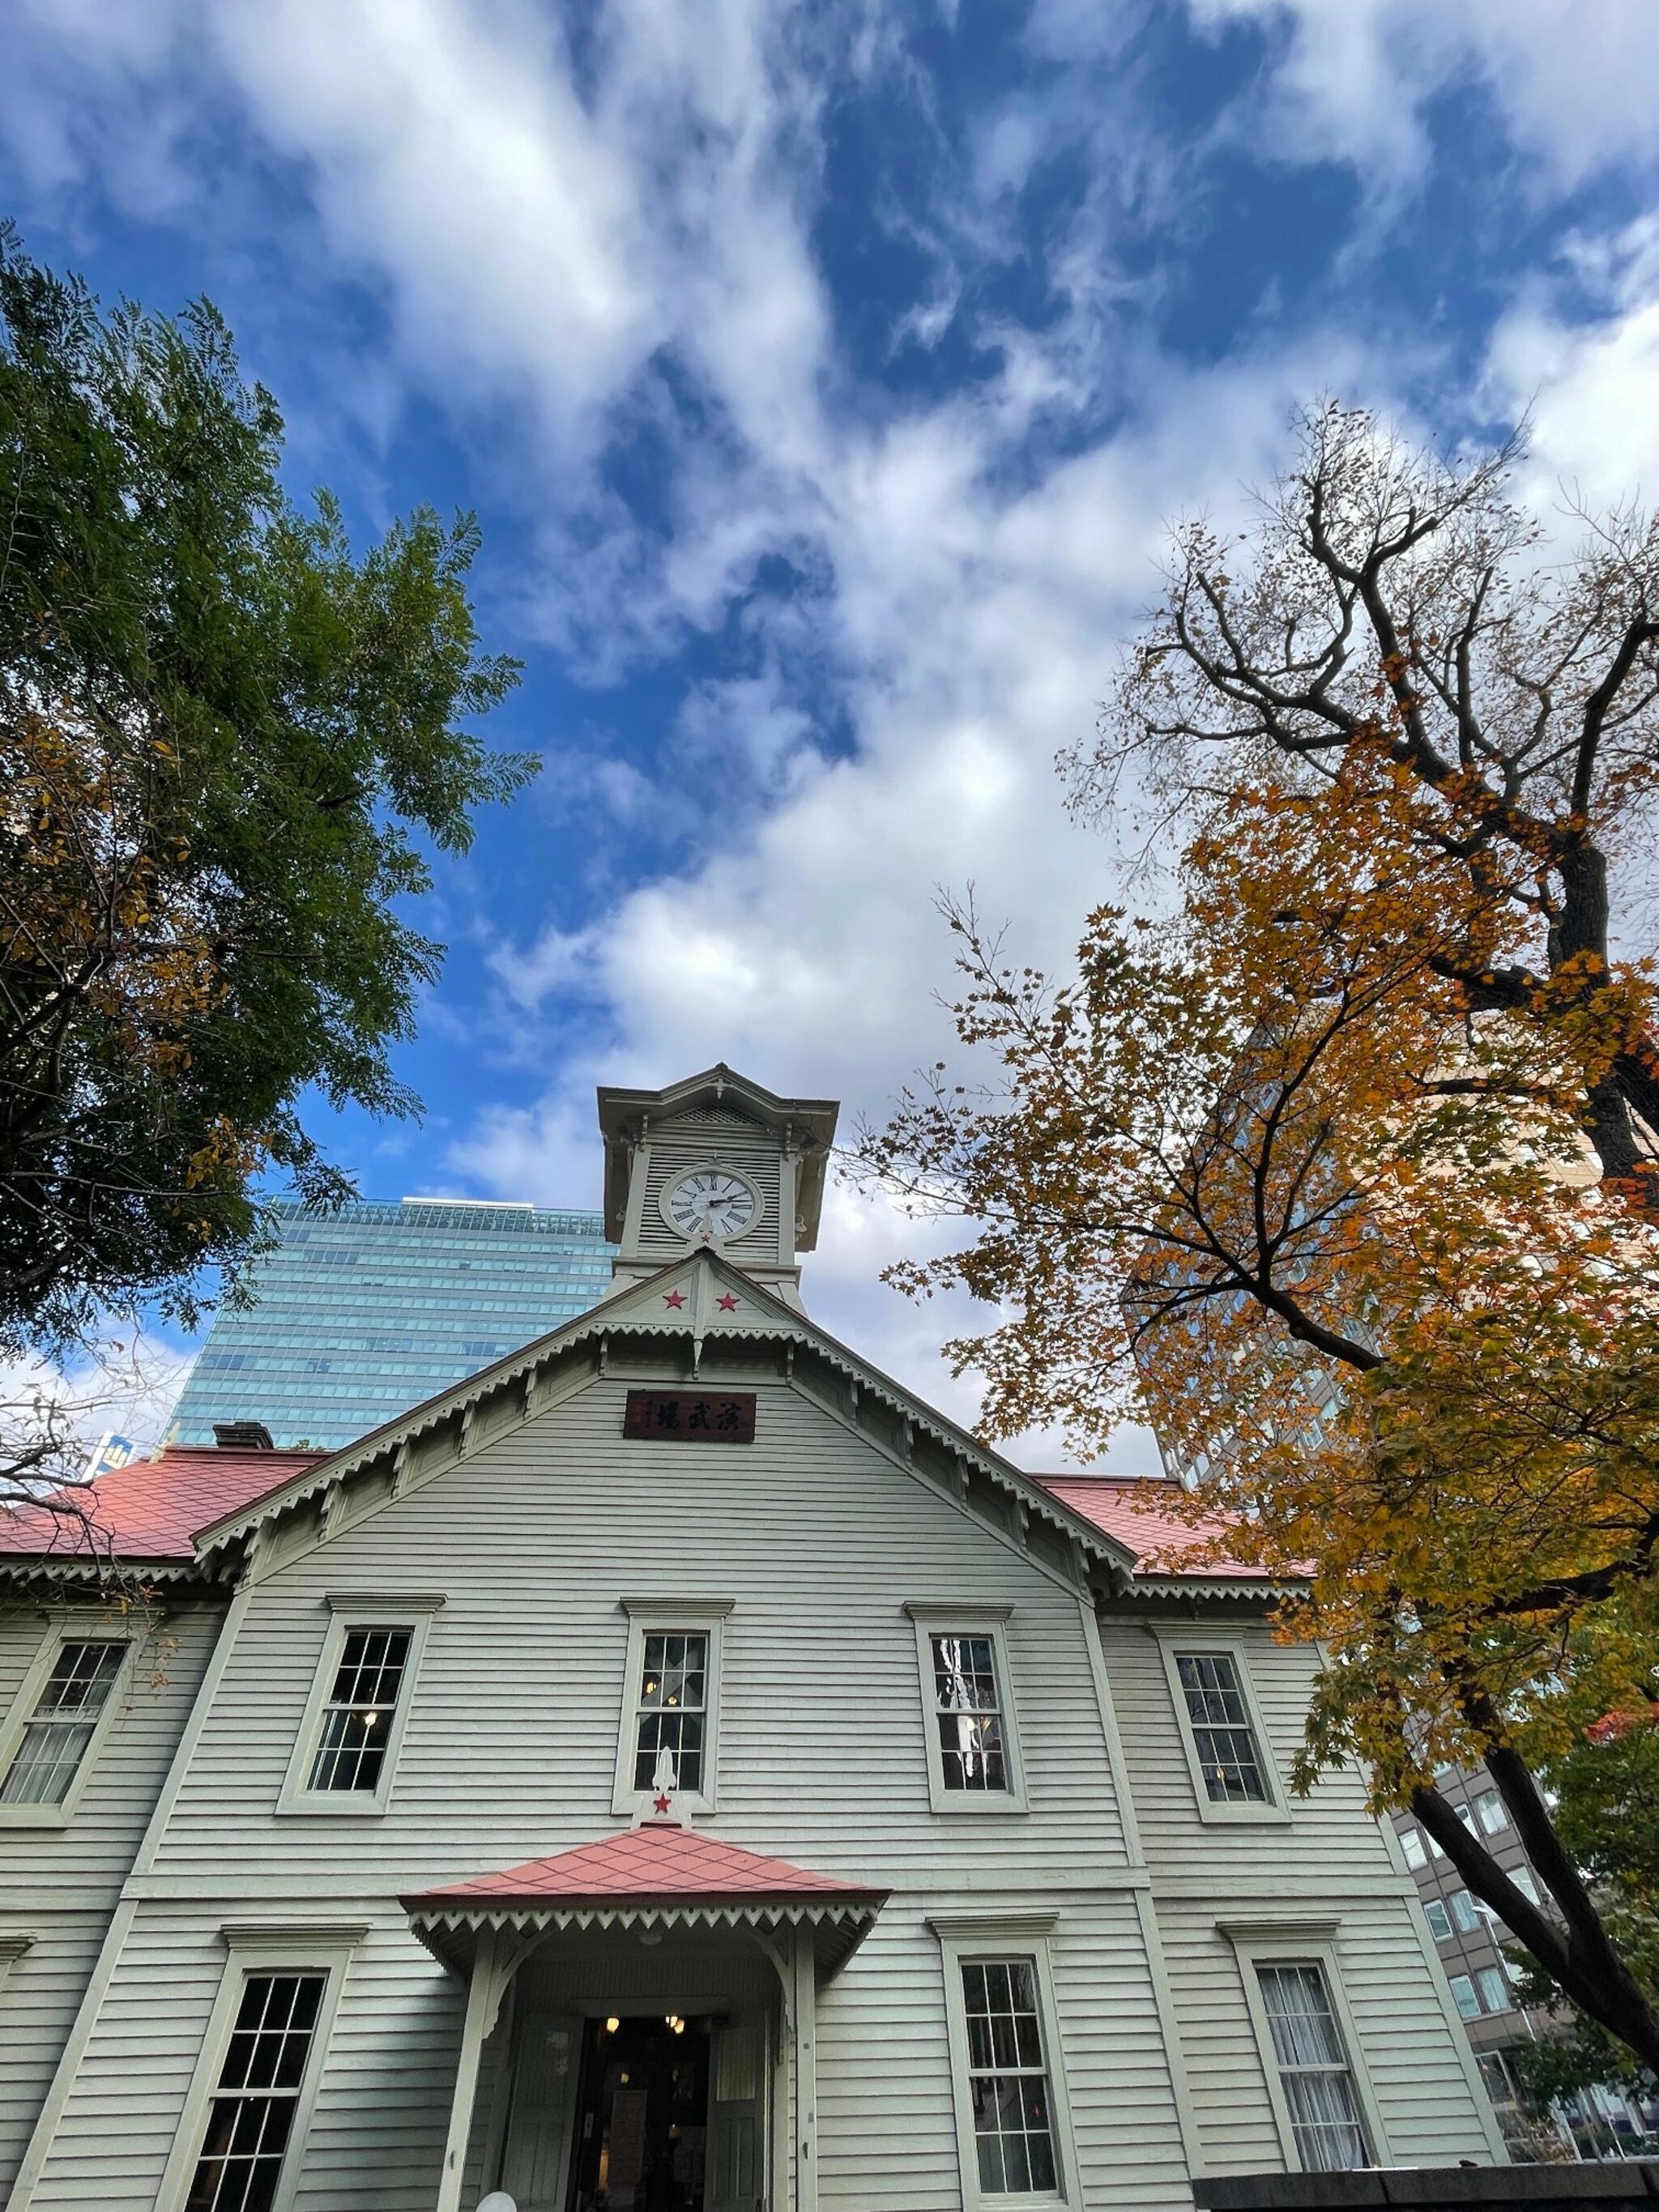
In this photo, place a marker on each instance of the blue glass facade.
(359, 1314)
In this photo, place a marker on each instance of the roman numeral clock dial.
(709, 1202)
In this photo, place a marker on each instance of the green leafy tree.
(227, 742)
(1606, 1788)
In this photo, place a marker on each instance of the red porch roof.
(657, 1864)
(660, 1875)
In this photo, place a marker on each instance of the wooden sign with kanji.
(691, 1417)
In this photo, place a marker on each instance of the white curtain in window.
(1313, 2069)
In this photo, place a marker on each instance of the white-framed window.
(1466, 1917)
(1221, 1727)
(345, 1755)
(1439, 1920)
(1522, 1877)
(1013, 2121)
(668, 1745)
(1314, 2071)
(1463, 1997)
(1327, 2117)
(51, 1739)
(1411, 1847)
(251, 2096)
(1493, 1985)
(968, 1709)
(1491, 1812)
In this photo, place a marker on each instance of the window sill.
(963, 1807)
(306, 1809)
(36, 1816)
(1242, 1816)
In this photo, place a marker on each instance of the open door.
(736, 2127)
(537, 2164)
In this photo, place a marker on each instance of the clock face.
(710, 1202)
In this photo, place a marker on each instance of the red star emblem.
(727, 1304)
(660, 1804)
(675, 1298)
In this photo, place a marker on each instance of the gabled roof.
(657, 1860)
(657, 1876)
(148, 1512)
(808, 1123)
(655, 1309)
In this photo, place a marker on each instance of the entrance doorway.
(641, 2132)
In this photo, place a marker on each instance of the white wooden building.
(678, 1769)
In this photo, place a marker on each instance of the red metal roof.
(647, 1865)
(151, 1510)
(1136, 1510)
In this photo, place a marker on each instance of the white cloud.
(1575, 81)
(578, 248)
(126, 1382)
(1589, 381)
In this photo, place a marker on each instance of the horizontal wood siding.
(131, 2082)
(1329, 1832)
(1406, 2048)
(818, 1542)
(37, 2005)
(1328, 1860)
(60, 1885)
(510, 1748)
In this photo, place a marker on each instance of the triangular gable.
(697, 1299)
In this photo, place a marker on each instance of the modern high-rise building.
(357, 1316)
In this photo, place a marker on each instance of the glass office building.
(359, 1314)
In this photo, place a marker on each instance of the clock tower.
(714, 1164)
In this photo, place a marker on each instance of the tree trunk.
(1577, 1954)
(1581, 927)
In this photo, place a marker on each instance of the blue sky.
(824, 378)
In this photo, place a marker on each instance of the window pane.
(1225, 1743)
(251, 2116)
(1463, 1997)
(1008, 2080)
(62, 1725)
(670, 1707)
(1313, 2069)
(1439, 1921)
(973, 1753)
(1494, 1987)
(1491, 1813)
(1411, 1844)
(1463, 1913)
(1523, 1878)
(356, 1726)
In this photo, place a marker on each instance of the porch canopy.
(660, 1875)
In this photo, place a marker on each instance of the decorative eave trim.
(23, 1568)
(775, 1322)
(842, 1923)
(14, 1943)
(798, 1912)
(1196, 1586)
